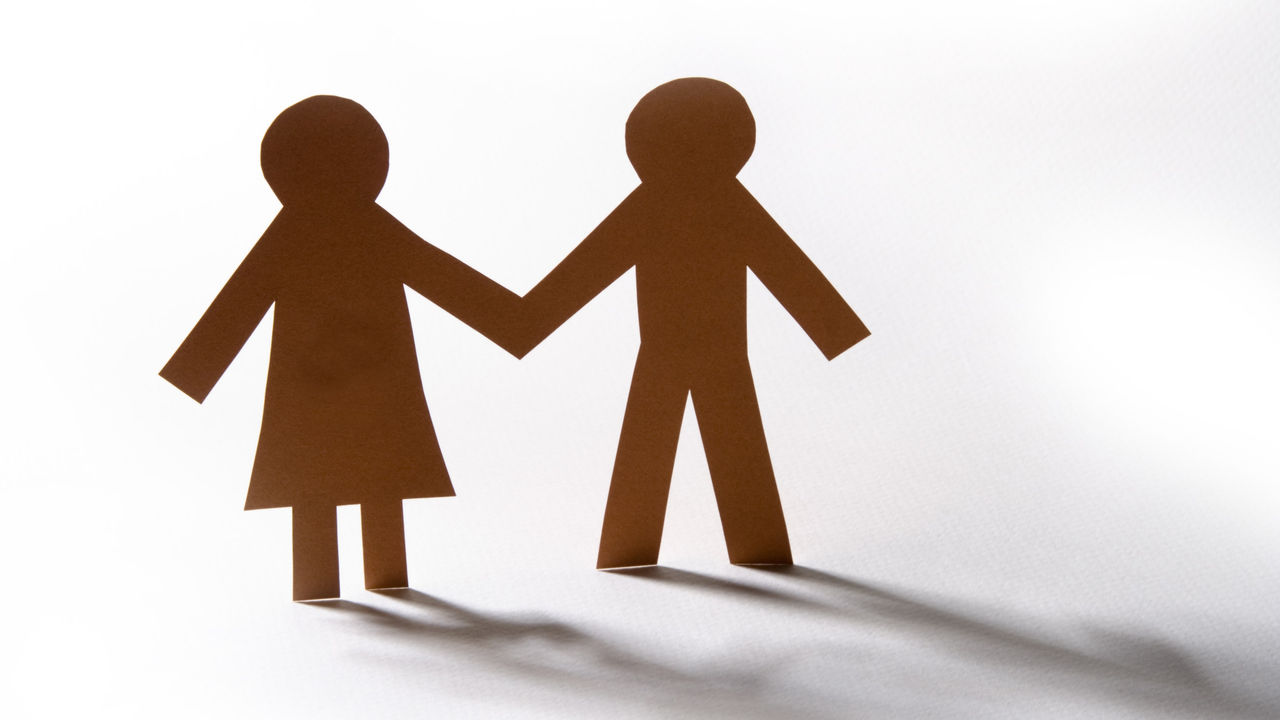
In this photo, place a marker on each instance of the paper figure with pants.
(691, 231)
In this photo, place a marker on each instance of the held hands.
(518, 333)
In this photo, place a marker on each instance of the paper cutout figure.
(344, 420)
(691, 231)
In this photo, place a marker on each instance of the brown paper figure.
(691, 231)
(345, 420)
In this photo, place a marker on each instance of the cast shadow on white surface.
(883, 653)
(535, 652)
(1148, 674)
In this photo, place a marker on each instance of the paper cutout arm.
(225, 327)
(601, 258)
(489, 308)
(802, 288)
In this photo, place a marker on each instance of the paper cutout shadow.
(344, 419)
(692, 231)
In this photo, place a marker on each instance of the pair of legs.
(315, 548)
(724, 400)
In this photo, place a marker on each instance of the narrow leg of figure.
(315, 552)
(382, 530)
(637, 505)
(741, 472)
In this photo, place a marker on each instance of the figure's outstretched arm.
(799, 285)
(601, 258)
(489, 308)
(223, 329)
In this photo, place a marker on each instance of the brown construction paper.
(344, 420)
(692, 231)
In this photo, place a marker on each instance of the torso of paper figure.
(691, 258)
(344, 420)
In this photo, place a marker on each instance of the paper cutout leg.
(741, 472)
(382, 534)
(637, 505)
(315, 552)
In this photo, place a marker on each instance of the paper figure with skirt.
(345, 420)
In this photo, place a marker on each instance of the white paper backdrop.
(1045, 487)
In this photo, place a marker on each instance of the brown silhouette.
(691, 231)
(344, 420)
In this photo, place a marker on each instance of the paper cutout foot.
(691, 231)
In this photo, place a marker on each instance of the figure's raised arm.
(601, 258)
(489, 308)
(223, 329)
(799, 285)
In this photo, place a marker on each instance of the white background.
(1045, 487)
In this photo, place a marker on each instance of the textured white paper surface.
(1045, 487)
